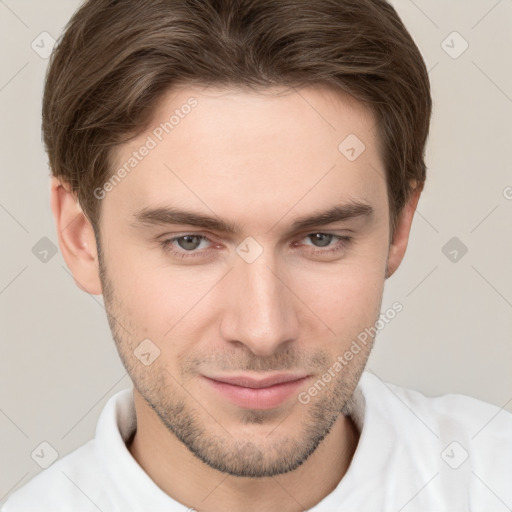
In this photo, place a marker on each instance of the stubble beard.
(205, 437)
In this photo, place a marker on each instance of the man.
(238, 179)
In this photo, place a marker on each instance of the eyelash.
(343, 243)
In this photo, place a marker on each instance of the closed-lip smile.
(252, 392)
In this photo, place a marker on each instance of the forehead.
(232, 149)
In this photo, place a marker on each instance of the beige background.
(59, 364)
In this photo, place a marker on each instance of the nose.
(260, 310)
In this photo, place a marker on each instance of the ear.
(76, 237)
(401, 235)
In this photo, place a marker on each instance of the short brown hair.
(116, 59)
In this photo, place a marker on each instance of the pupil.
(186, 243)
(323, 238)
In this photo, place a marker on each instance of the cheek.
(349, 298)
(158, 300)
(347, 295)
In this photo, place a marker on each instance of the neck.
(189, 481)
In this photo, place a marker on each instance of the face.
(285, 272)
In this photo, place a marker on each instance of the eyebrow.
(172, 215)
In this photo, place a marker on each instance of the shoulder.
(69, 483)
(440, 413)
(462, 443)
(82, 480)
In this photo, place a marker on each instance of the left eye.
(323, 239)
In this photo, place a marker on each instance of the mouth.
(257, 393)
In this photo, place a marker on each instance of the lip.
(251, 393)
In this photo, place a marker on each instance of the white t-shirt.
(415, 454)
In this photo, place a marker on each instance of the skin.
(262, 160)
